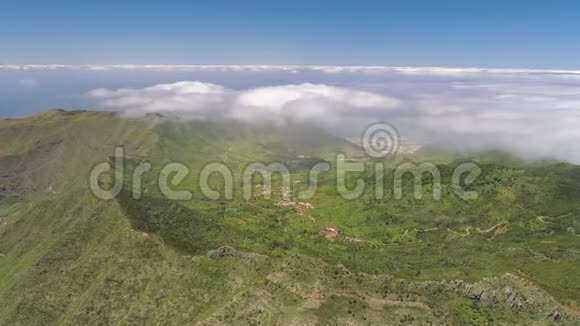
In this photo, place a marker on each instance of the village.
(331, 234)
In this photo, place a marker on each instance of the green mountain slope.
(67, 257)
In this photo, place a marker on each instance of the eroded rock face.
(510, 291)
(231, 252)
(517, 295)
(223, 252)
(555, 315)
(299, 290)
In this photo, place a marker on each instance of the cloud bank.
(435, 71)
(308, 102)
(195, 98)
(322, 104)
(534, 113)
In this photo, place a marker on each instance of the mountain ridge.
(69, 257)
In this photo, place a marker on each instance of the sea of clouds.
(535, 113)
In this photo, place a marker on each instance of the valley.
(68, 258)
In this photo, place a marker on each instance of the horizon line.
(289, 68)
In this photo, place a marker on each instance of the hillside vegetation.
(66, 257)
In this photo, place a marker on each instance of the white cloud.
(307, 102)
(292, 69)
(303, 102)
(532, 112)
(195, 98)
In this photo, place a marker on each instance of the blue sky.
(310, 51)
(514, 34)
